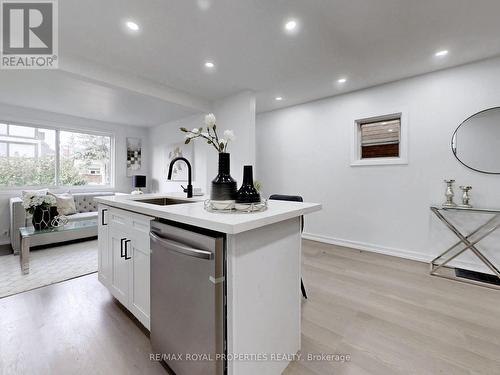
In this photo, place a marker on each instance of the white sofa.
(86, 208)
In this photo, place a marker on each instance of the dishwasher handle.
(180, 248)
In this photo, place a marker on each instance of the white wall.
(120, 132)
(235, 112)
(305, 150)
(164, 135)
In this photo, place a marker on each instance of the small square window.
(380, 139)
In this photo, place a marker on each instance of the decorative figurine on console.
(465, 197)
(449, 194)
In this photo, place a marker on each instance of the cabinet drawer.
(140, 226)
(135, 225)
(118, 218)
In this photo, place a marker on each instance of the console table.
(466, 241)
(29, 232)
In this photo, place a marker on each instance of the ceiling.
(60, 92)
(367, 41)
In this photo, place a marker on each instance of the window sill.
(57, 189)
(379, 161)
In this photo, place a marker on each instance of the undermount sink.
(163, 201)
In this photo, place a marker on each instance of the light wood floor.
(386, 313)
(393, 318)
(71, 328)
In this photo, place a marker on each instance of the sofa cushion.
(65, 203)
(85, 201)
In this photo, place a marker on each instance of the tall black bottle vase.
(224, 188)
(247, 193)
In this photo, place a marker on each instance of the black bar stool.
(292, 198)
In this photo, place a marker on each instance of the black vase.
(247, 192)
(53, 213)
(42, 217)
(223, 186)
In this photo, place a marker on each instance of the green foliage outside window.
(27, 171)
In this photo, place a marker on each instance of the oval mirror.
(476, 142)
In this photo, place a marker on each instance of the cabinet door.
(119, 265)
(138, 251)
(104, 261)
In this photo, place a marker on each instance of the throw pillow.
(35, 192)
(65, 203)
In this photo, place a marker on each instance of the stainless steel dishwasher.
(187, 298)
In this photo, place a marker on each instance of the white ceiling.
(157, 75)
(60, 92)
(368, 41)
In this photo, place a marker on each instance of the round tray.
(241, 208)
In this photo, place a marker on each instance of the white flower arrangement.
(229, 135)
(32, 201)
(210, 134)
(210, 121)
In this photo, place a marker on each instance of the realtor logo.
(29, 34)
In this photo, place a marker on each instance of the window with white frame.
(380, 140)
(36, 156)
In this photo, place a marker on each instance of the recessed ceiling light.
(132, 26)
(390, 130)
(441, 53)
(209, 64)
(278, 98)
(342, 80)
(204, 4)
(290, 25)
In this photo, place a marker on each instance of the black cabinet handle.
(123, 251)
(102, 216)
(126, 250)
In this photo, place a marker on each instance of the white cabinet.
(139, 275)
(124, 259)
(117, 245)
(104, 262)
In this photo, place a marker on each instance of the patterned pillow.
(65, 203)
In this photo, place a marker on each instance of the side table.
(466, 242)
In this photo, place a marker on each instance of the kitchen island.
(261, 271)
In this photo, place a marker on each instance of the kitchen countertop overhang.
(194, 213)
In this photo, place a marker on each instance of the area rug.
(47, 266)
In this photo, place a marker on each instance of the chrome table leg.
(470, 244)
(25, 255)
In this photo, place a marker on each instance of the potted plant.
(42, 209)
(224, 188)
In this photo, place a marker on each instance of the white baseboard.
(405, 254)
(368, 247)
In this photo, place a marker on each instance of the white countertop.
(195, 214)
